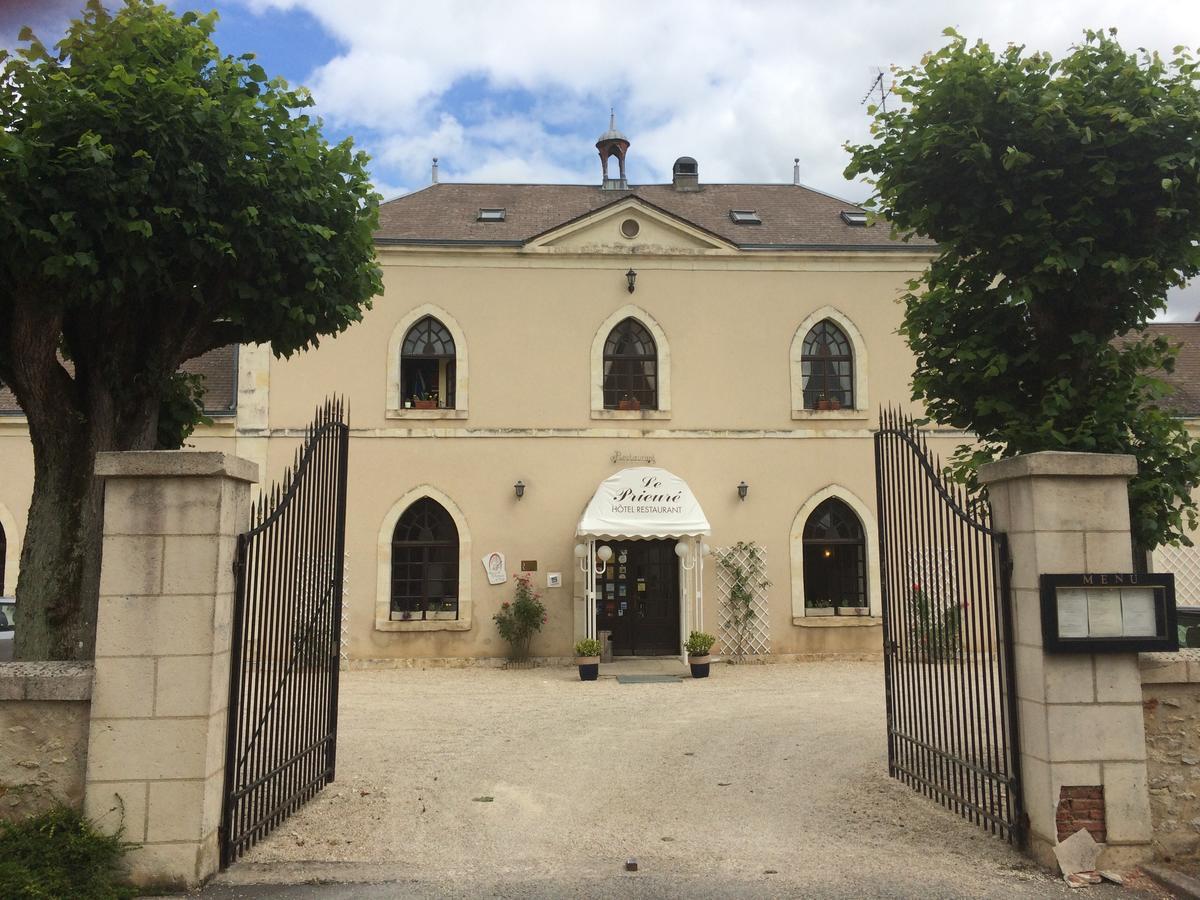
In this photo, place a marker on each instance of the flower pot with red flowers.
(698, 646)
(587, 657)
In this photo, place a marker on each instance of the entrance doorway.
(637, 598)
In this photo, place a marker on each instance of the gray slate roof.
(792, 216)
(219, 368)
(1185, 379)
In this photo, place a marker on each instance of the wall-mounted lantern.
(519, 489)
(743, 489)
(631, 279)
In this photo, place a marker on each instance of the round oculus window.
(630, 228)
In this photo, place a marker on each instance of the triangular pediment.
(609, 230)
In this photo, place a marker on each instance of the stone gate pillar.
(1082, 738)
(156, 742)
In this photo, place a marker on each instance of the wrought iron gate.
(283, 680)
(947, 626)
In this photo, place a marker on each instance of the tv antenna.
(877, 87)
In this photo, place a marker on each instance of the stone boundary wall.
(44, 711)
(1171, 695)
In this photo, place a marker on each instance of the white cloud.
(744, 87)
(741, 86)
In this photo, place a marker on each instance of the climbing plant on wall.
(741, 574)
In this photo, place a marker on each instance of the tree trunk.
(59, 585)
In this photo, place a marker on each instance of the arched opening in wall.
(630, 367)
(835, 561)
(424, 564)
(427, 366)
(827, 368)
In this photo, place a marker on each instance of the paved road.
(761, 781)
(651, 887)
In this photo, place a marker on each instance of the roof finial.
(612, 118)
(435, 172)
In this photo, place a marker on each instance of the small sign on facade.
(1108, 612)
(497, 572)
(553, 579)
(529, 565)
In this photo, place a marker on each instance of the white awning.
(643, 503)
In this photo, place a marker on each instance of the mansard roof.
(792, 216)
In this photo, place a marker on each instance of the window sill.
(631, 414)
(858, 415)
(426, 414)
(426, 625)
(837, 621)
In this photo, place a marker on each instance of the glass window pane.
(424, 557)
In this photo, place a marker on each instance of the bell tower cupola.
(613, 143)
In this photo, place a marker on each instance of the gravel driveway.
(759, 781)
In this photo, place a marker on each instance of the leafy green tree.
(1065, 199)
(157, 200)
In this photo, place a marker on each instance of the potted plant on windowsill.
(587, 657)
(698, 645)
(853, 611)
(819, 607)
(630, 404)
(428, 400)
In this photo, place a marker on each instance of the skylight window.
(491, 215)
(854, 217)
(745, 217)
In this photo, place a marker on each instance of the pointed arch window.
(427, 366)
(835, 561)
(827, 368)
(630, 367)
(425, 563)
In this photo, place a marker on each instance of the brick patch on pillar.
(1081, 806)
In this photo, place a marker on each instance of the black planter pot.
(589, 671)
(699, 665)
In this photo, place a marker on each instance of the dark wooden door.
(638, 598)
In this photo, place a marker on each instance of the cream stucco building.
(551, 336)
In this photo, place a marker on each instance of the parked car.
(6, 628)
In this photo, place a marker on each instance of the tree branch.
(210, 336)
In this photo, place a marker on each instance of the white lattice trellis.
(754, 638)
(934, 569)
(344, 649)
(1185, 563)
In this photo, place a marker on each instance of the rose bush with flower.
(519, 620)
(936, 628)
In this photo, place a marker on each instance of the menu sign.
(1108, 612)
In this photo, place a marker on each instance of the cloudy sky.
(519, 90)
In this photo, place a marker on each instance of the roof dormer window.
(745, 217)
(854, 217)
(491, 215)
